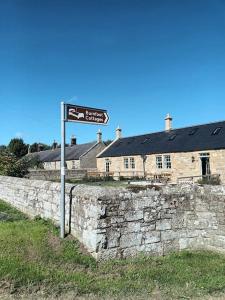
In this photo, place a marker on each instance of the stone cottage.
(78, 156)
(175, 154)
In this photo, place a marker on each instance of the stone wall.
(117, 223)
(42, 198)
(157, 222)
(55, 174)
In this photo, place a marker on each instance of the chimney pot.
(54, 145)
(73, 140)
(168, 122)
(118, 133)
(40, 147)
(99, 136)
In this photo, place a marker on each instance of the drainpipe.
(144, 158)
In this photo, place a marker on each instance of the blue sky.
(137, 59)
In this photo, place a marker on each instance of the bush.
(137, 188)
(99, 178)
(213, 180)
(10, 165)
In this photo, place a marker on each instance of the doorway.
(205, 164)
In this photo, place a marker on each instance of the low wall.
(55, 174)
(117, 223)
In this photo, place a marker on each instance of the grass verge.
(34, 260)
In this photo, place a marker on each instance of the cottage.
(82, 156)
(176, 154)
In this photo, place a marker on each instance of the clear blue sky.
(137, 59)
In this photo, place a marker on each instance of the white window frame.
(163, 161)
(132, 163)
(159, 161)
(126, 163)
(167, 161)
(107, 165)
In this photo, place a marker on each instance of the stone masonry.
(183, 164)
(118, 223)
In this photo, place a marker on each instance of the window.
(126, 163)
(145, 141)
(163, 162)
(132, 163)
(167, 162)
(172, 137)
(193, 131)
(159, 162)
(204, 154)
(216, 131)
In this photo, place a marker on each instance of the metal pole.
(62, 200)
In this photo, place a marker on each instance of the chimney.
(40, 147)
(168, 122)
(73, 140)
(118, 133)
(99, 136)
(54, 145)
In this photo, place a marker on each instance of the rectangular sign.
(82, 114)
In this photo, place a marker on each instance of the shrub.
(10, 165)
(213, 180)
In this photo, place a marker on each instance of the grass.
(34, 260)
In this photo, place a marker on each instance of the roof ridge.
(196, 125)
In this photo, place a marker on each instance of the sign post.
(81, 114)
(62, 200)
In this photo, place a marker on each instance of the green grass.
(34, 260)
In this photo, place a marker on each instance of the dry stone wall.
(158, 222)
(41, 174)
(117, 223)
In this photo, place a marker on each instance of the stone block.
(150, 237)
(130, 239)
(163, 224)
(133, 215)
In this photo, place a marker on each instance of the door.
(107, 163)
(205, 166)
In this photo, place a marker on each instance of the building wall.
(88, 161)
(182, 165)
(55, 165)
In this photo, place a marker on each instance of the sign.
(82, 114)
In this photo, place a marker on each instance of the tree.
(34, 162)
(35, 147)
(2, 148)
(18, 147)
(10, 165)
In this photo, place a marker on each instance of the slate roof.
(193, 138)
(71, 153)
